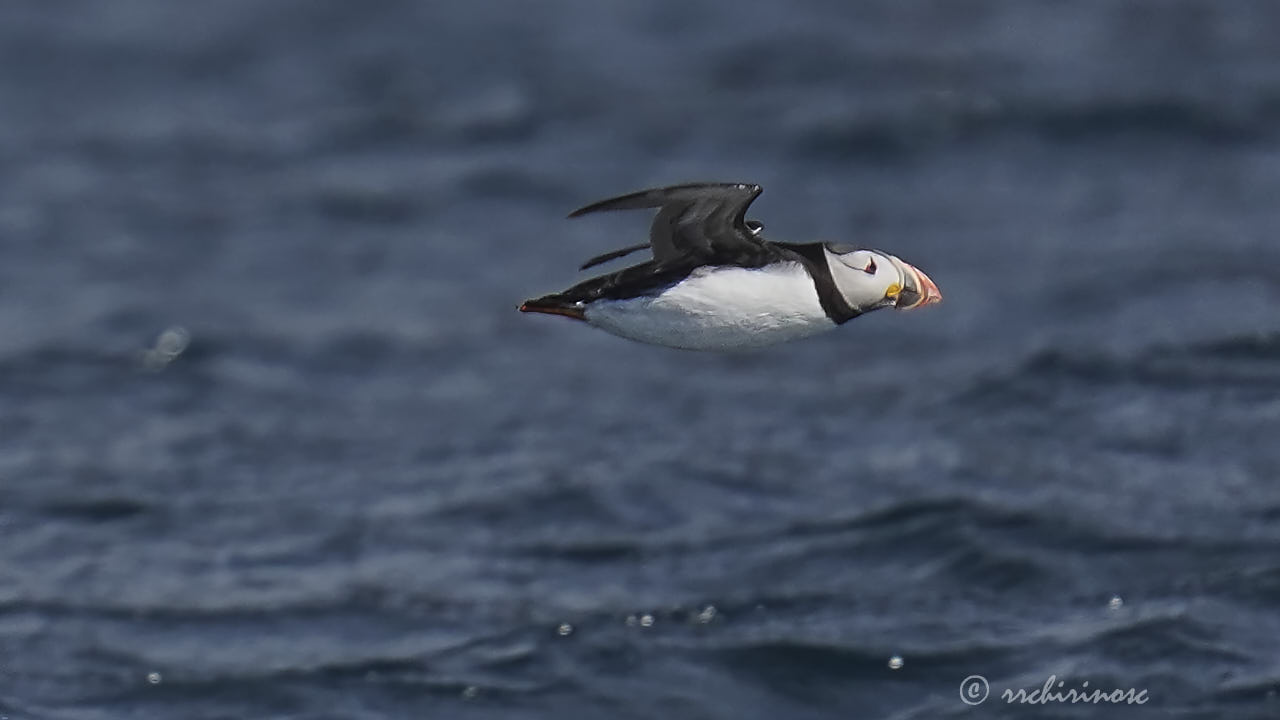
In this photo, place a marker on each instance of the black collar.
(814, 258)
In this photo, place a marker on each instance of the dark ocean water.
(368, 488)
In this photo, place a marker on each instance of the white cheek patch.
(863, 291)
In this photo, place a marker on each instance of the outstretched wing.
(702, 220)
(613, 255)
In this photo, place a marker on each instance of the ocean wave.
(866, 131)
(1243, 361)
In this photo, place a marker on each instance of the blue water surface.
(274, 442)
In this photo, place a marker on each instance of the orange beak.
(919, 291)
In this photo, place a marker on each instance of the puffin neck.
(814, 259)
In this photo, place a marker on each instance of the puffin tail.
(554, 305)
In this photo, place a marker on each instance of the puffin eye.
(870, 269)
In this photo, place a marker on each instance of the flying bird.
(715, 282)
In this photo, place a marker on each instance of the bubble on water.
(646, 620)
(470, 692)
(707, 615)
(565, 629)
(632, 620)
(167, 347)
(1115, 603)
(895, 662)
(154, 678)
(173, 341)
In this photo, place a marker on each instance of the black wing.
(754, 226)
(613, 255)
(701, 220)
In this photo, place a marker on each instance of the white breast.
(720, 308)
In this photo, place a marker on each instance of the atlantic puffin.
(715, 282)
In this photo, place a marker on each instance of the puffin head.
(871, 279)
